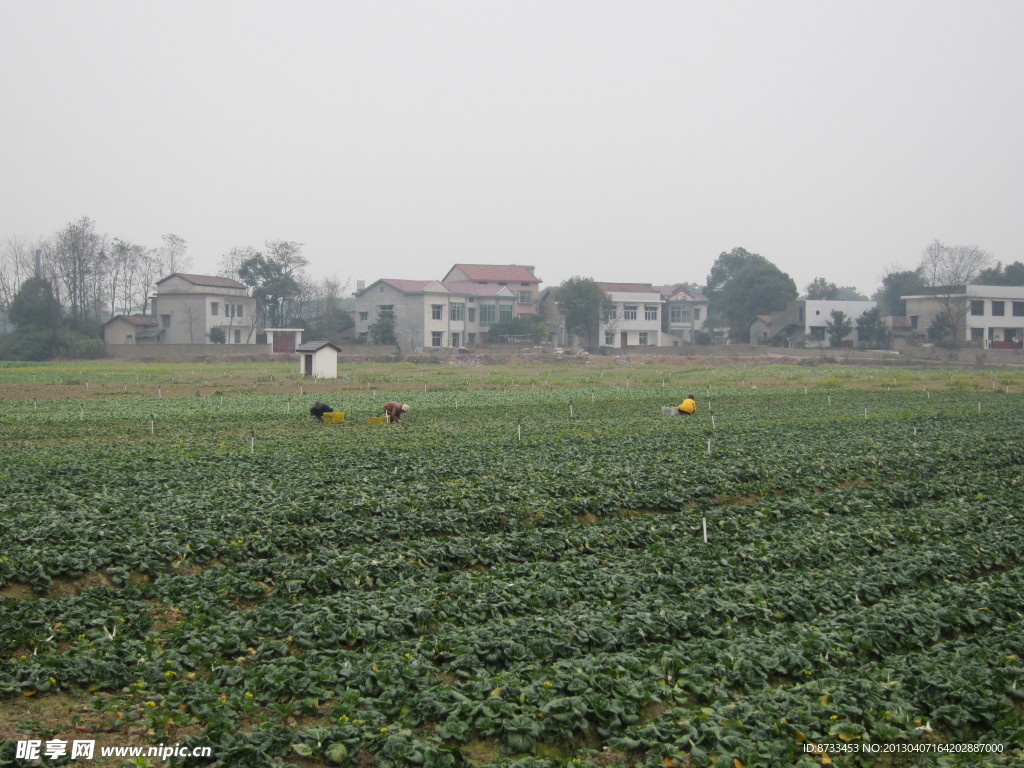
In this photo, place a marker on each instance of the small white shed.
(318, 359)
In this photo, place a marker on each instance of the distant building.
(131, 329)
(683, 315)
(520, 280)
(187, 307)
(433, 314)
(804, 322)
(634, 318)
(992, 315)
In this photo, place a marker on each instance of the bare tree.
(952, 265)
(949, 269)
(173, 255)
(231, 261)
(76, 255)
(17, 264)
(130, 271)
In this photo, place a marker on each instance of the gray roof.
(315, 346)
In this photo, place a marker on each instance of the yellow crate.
(334, 417)
(377, 420)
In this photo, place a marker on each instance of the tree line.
(56, 292)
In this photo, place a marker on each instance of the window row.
(632, 312)
(230, 310)
(998, 308)
(457, 312)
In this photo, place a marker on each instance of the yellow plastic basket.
(334, 417)
(377, 420)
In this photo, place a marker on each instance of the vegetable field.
(817, 569)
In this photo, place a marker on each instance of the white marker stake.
(979, 406)
(570, 410)
(519, 432)
(865, 413)
(830, 399)
(151, 419)
(712, 421)
(709, 446)
(704, 522)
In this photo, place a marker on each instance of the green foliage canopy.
(581, 301)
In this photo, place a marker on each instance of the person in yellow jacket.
(688, 406)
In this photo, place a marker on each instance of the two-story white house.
(188, 307)
(633, 317)
(992, 315)
(683, 314)
(433, 314)
(804, 322)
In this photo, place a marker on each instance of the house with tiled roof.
(433, 314)
(519, 279)
(188, 307)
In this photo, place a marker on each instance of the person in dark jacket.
(319, 409)
(395, 410)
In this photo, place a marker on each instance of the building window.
(488, 313)
(437, 338)
(241, 310)
(817, 333)
(629, 312)
(238, 337)
(1018, 309)
(215, 308)
(526, 297)
(456, 311)
(506, 312)
(456, 339)
(364, 316)
(609, 339)
(471, 314)
(643, 338)
(472, 338)
(650, 313)
(384, 311)
(609, 314)
(435, 311)
(913, 322)
(977, 307)
(977, 335)
(998, 308)
(165, 321)
(677, 314)
(696, 314)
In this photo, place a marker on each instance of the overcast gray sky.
(625, 141)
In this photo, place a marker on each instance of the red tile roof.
(506, 272)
